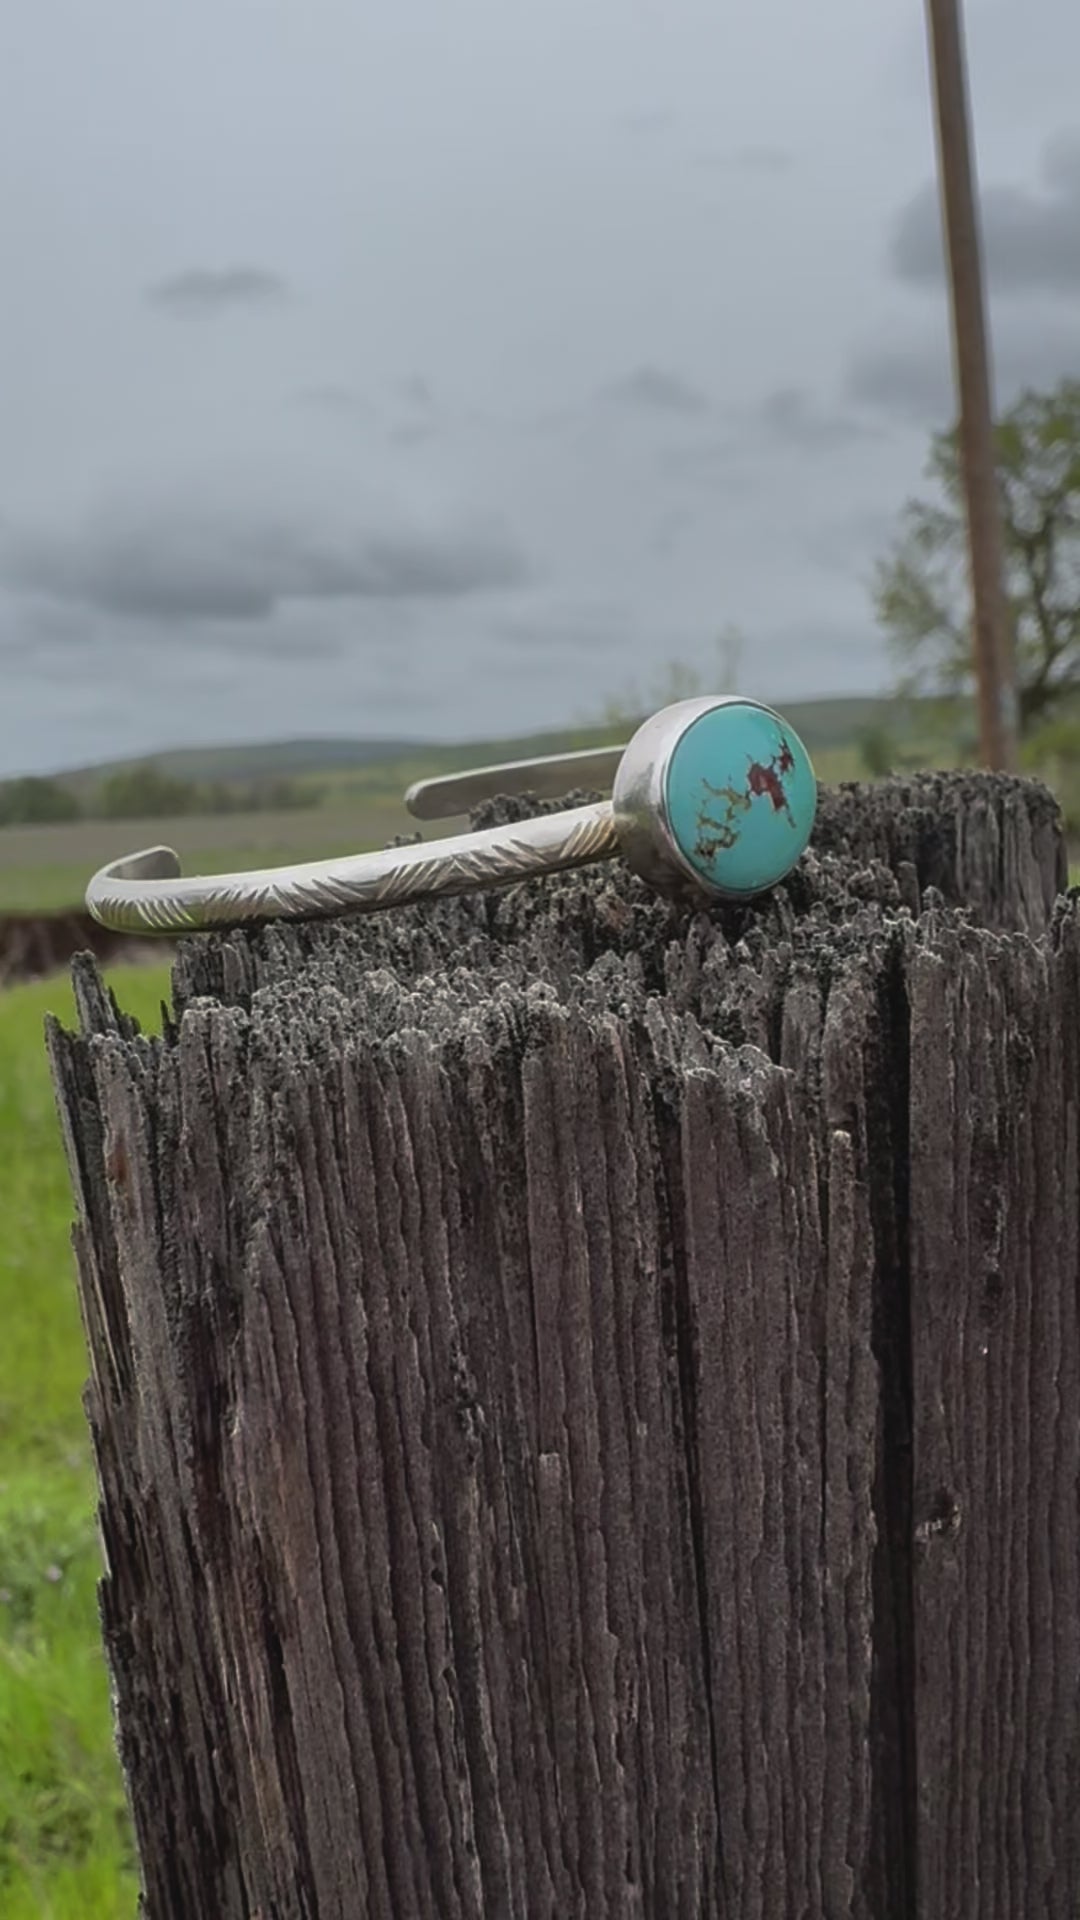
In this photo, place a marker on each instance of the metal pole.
(991, 635)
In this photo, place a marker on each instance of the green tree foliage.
(284, 795)
(877, 751)
(142, 793)
(920, 587)
(146, 792)
(33, 801)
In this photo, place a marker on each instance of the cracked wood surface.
(587, 1397)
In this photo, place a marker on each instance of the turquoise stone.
(740, 797)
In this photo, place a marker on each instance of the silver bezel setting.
(639, 798)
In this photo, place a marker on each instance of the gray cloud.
(66, 643)
(849, 543)
(410, 416)
(521, 260)
(669, 531)
(913, 381)
(593, 626)
(656, 390)
(790, 416)
(204, 292)
(646, 123)
(717, 465)
(418, 394)
(911, 378)
(760, 159)
(38, 640)
(414, 433)
(421, 419)
(820, 658)
(1031, 235)
(331, 398)
(787, 417)
(187, 566)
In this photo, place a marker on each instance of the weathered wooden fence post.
(587, 1398)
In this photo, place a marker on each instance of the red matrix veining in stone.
(770, 779)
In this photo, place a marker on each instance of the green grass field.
(45, 869)
(65, 1844)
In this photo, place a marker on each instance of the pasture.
(65, 1843)
(45, 869)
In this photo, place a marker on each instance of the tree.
(920, 588)
(877, 750)
(143, 793)
(34, 801)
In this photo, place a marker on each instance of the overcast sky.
(437, 367)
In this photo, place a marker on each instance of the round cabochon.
(741, 796)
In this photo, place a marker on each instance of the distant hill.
(823, 724)
(275, 759)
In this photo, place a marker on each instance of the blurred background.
(387, 388)
(384, 387)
